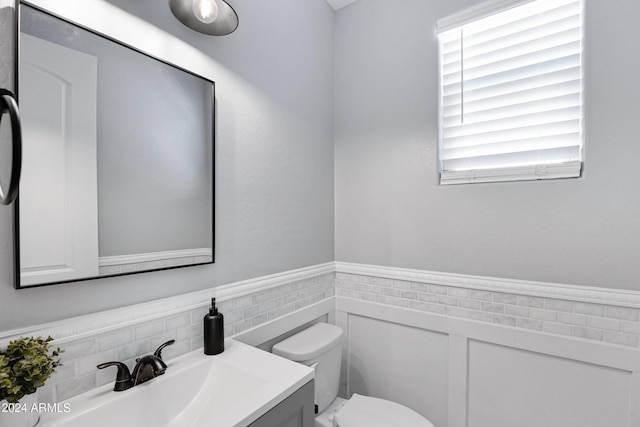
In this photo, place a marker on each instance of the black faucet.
(147, 368)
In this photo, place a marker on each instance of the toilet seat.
(360, 411)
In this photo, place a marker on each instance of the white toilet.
(320, 347)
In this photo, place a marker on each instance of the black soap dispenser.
(213, 330)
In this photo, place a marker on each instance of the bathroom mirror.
(118, 157)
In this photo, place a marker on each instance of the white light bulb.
(205, 10)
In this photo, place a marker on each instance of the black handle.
(123, 377)
(158, 352)
(8, 102)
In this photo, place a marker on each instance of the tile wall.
(611, 323)
(81, 355)
(608, 317)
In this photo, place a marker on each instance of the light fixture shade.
(225, 23)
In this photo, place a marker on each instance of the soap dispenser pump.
(213, 330)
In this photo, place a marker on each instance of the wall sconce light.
(211, 17)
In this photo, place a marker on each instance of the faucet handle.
(123, 377)
(158, 352)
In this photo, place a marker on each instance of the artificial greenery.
(25, 365)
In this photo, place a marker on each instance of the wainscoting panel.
(513, 387)
(464, 373)
(395, 361)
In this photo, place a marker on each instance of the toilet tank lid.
(310, 343)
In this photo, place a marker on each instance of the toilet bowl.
(319, 346)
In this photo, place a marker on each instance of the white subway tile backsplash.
(392, 292)
(241, 326)
(80, 348)
(559, 315)
(259, 320)
(133, 350)
(539, 314)
(605, 323)
(378, 281)
(175, 350)
(401, 284)
(530, 323)
(458, 292)
(369, 280)
(149, 329)
(399, 302)
(573, 319)
(368, 297)
(558, 305)
(458, 312)
(614, 324)
(470, 304)
(114, 339)
(417, 305)
(381, 299)
(66, 371)
(492, 307)
(588, 333)
(586, 308)
(242, 302)
(79, 373)
(529, 301)
(480, 295)
(75, 386)
(503, 319)
(437, 289)
(251, 311)
(622, 313)
(234, 316)
(481, 316)
(504, 298)
(182, 319)
(427, 297)
(448, 300)
(419, 287)
(409, 295)
(87, 365)
(631, 327)
(515, 310)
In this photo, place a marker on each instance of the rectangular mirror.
(118, 173)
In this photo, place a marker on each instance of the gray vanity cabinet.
(297, 410)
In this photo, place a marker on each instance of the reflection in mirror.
(118, 157)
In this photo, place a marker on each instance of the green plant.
(25, 365)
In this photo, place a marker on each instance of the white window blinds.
(511, 92)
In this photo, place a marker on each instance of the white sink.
(233, 388)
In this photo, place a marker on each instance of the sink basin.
(233, 388)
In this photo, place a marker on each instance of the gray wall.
(274, 163)
(390, 209)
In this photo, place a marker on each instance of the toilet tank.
(318, 346)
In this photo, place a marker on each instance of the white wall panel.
(510, 387)
(464, 373)
(401, 363)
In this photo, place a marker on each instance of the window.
(511, 92)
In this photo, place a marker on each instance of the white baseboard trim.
(620, 297)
